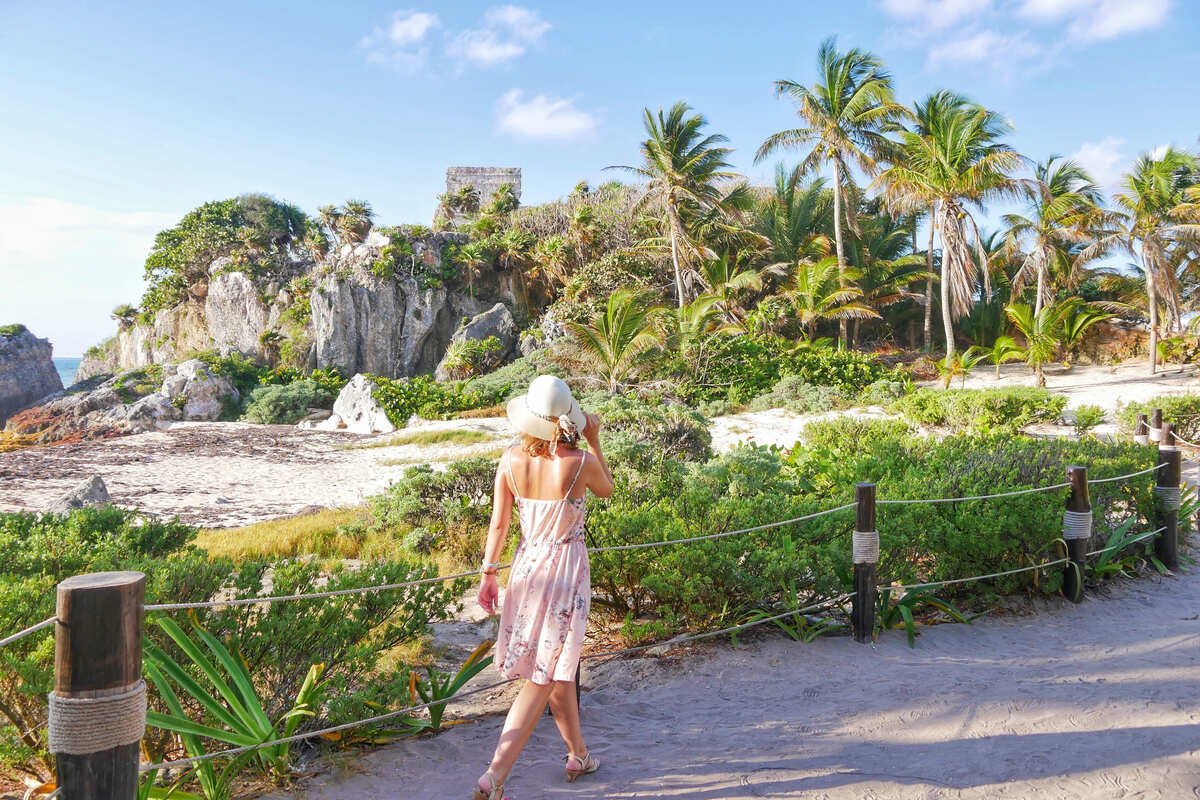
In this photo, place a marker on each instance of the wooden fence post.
(98, 659)
(1141, 431)
(1166, 495)
(1156, 425)
(866, 556)
(1077, 530)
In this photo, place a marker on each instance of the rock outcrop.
(27, 372)
(346, 312)
(92, 492)
(356, 410)
(496, 321)
(132, 402)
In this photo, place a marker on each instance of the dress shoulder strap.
(578, 470)
(512, 478)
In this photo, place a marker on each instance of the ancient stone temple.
(486, 180)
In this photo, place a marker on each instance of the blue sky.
(119, 118)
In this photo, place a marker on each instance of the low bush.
(1086, 417)
(799, 396)
(883, 391)
(350, 634)
(980, 410)
(427, 398)
(470, 357)
(513, 379)
(670, 429)
(286, 404)
(1181, 410)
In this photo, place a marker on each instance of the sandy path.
(1099, 700)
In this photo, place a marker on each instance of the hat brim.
(525, 421)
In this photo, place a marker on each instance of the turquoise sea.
(66, 369)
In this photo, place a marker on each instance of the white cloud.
(984, 46)
(41, 230)
(401, 43)
(541, 116)
(935, 13)
(1104, 160)
(1090, 20)
(507, 33)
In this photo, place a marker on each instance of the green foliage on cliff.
(259, 233)
(12, 330)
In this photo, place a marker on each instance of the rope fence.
(116, 698)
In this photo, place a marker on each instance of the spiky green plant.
(1041, 332)
(616, 338)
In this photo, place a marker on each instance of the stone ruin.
(486, 180)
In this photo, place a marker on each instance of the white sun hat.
(547, 410)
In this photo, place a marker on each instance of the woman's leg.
(566, 716)
(518, 726)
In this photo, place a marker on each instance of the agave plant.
(438, 687)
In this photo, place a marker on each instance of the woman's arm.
(502, 502)
(599, 478)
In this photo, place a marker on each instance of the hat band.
(546, 417)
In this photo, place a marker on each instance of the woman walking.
(549, 589)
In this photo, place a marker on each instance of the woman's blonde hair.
(540, 448)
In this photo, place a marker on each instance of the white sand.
(1099, 700)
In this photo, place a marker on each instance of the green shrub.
(427, 398)
(331, 379)
(1181, 410)
(673, 430)
(15, 329)
(137, 383)
(1086, 417)
(288, 404)
(883, 391)
(797, 395)
(980, 410)
(513, 379)
(447, 511)
(470, 357)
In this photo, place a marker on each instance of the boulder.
(191, 387)
(91, 492)
(496, 321)
(357, 409)
(27, 372)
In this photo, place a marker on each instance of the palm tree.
(125, 315)
(1041, 332)
(616, 338)
(794, 219)
(684, 169)
(1005, 348)
(1155, 215)
(1063, 211)
(473, 256)
(724, 278)
(881, 252)
(1076, 318)
(816, 294)
(354, 220)
(844, 117)
(329, 216)
(956, 164)
(684, 327)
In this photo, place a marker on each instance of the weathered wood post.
(1156, 424)
(98, 707)
(1141, 431)
(1077, 530)
(1166, 496)
(866, 556)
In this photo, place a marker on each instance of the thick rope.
(977, 496)
(1077, 525)
(908, 586)
(1141, 438)
(32, 629)
(866, 547)
(768, 525)
(1155, 468)
(1156, 435)
(83, 725)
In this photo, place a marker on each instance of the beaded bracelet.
(492, 565)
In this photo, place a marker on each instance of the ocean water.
(66, 369)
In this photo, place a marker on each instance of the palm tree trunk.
(672, 223)
(1041, 285)
(929, 286)
(837, 238)
(947, 322)
(1152, 297)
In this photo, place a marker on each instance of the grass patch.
(483, 413)
(291, 536)
(443, 436)
(495, 452)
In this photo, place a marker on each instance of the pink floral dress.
(549, 591)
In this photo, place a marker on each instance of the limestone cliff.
(27, 372)
(347, 312)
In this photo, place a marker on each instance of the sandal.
(496, 793)
(586, 766)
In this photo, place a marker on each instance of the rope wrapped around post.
(1077, 529)
(1141, 431)
(866, 556)
(98, 707)
(1156, 426)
